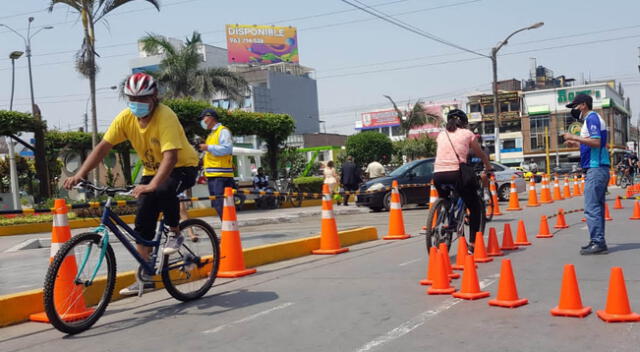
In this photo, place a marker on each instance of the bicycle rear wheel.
(71, 302)
(190, 272)
(439, 226)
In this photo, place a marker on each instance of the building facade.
(546, 109)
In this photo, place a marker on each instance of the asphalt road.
(369, 299)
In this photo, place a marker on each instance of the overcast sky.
(357, 57)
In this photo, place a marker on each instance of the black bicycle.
(449, 216)
(186, 274)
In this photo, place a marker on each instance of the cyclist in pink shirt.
(453, 148)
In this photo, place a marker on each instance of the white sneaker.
(133, 289)
(173, 244)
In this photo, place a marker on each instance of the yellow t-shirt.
(164, 132)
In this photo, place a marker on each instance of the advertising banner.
(247, 44)
(381, 118)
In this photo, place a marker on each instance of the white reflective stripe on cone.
(327, 214)
(326, 197)
(513, 190)
(60, 220)
(395, 205)
(228, 202)
(55, 247)
(229, 226)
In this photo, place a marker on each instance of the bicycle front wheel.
(79, 283)
(295, 200)
(440, 226)
(190, 272)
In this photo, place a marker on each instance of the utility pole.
(13, 170)
(40, 157)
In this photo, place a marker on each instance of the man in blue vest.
(594, 159)
(218, 159)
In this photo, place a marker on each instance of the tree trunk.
(272, 155)
(92, 87)
(42, 169)
(125, 164)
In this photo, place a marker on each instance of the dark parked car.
(421, 172)
(418, 172)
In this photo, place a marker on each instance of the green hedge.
(311, 184)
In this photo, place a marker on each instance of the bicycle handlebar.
(105, 189)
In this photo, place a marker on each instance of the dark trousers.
(349, 188)
(216, 188)
(468, 194)
(164, 199)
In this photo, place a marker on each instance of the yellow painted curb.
(16, 307)
(23, 229)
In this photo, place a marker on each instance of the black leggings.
(468, 194)
(165, 199)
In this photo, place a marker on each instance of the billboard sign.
(380, 118)
(247, 44)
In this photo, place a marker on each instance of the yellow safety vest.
(217, 166)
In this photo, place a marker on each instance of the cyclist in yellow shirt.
(170, 162)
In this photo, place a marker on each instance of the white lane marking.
(584, 228)
(409, 262)
(249, 318)
(419, 320)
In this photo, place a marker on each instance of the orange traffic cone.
(514, 204)
(507, 239)
(493, 248)
(447, 261)
(396, 222)
(545, 192)
(570, 304)
(607, 215)
(612, 178)
(462, 252)
(533, 196)
(232, 257)
(566, 189)
(636, 211)
(561, 223)
(494, 196)
(479, 252)
(507, 291)
(618, 308)
(431, 270)
(544, 228)
(441, 285)
(582, 185)
(470, 286)
(576, 186)
(557, 195)
(618, 203)
(433, 195)
(68, 296)
(329, 239)
(521, 235)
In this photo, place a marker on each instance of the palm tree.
(181, 77)
(413, 117)
(91, 12)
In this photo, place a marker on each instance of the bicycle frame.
(111, 220)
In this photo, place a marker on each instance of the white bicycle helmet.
(139, 85)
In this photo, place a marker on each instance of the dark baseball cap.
(208, 112)
(579, 99)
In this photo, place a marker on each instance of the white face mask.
(203, 124)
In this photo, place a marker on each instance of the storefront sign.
(566, 96)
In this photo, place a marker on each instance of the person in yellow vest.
(218, 161)
(170, 163)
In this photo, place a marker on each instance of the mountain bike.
(448, 217)
(186, 274)
(288, 188)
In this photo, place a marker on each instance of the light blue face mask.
(203, 125)
(139, 109)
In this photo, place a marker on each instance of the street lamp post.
(496, 104)
(13, 170)
(41, 167)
